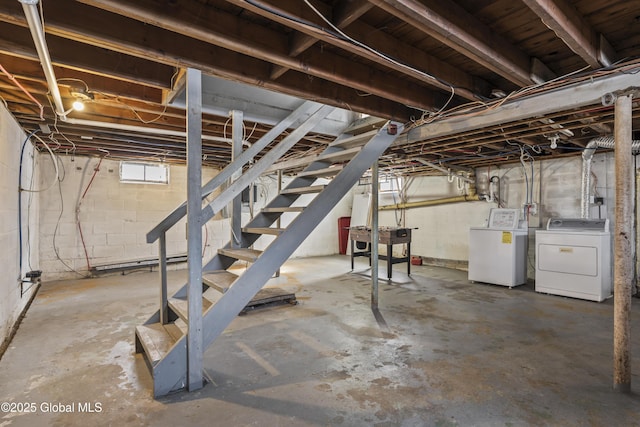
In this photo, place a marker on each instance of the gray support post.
(623, 266)
(374, 235)
(162, 267)
(194, 228)
(237, 136)
(279, 220)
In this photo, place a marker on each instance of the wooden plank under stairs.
(267, 297)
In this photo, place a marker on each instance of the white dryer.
(573, 258)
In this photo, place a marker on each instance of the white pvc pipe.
(30, 8)
(143, 129)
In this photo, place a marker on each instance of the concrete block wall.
(443, 231)
(114, 217)
(13, 300)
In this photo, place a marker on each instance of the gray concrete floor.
(440, 352)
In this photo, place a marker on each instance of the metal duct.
(30, 8)
(587, 156)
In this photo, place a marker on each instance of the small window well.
(139, 173)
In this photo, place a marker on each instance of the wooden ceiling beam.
(419, 72)
(345, 14)
(167, 47)
(456, 28)
(30, 69)
(233, 33)
(79, 56)
(571, 27)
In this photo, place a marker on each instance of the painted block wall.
(12, 300)
(114, 217)
(443, 231)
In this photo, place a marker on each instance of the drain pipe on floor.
(31, 12)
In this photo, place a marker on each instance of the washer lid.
(578, 224)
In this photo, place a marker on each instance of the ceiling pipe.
(141, 129)
(472, 196)
(30, 8)
(587, 155)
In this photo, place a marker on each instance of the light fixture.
(78, 105)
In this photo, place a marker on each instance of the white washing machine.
(573, 258)
(498, 252)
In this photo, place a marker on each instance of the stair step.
(321, 173)
(242, 254)
(219, 280)
(338, 156)
(263, 230)
(283, 209)
(156, 339)
(303, 190)
(181, 307)
(365, 124)
(354, 141)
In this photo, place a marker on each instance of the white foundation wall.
(114, 217)
(323, 240)
(13, 297)
(443, 231)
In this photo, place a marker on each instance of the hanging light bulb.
(78, 105)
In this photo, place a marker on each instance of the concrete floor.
(440, 352)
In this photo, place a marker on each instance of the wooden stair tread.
(324, 172)
(181, 306)
(283, 209)
(220, 280)
(263, 230)
(338, 155)
(156, 340)
(355, 141)
(243, 254)
(303, 190)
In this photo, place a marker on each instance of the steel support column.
(237, 136)
(194, 228)
(623, 266)
(162, 269)
(374, 235)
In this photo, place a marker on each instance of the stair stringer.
(256, 276)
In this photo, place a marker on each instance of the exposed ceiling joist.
(572, 28)
(456, 28)
(237, 37)
(345, 15)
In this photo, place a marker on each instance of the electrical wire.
(20, 202)
(55, 165)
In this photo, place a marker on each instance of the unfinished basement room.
(319, 213)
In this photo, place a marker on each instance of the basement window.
(389, 183)
(149, 173)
